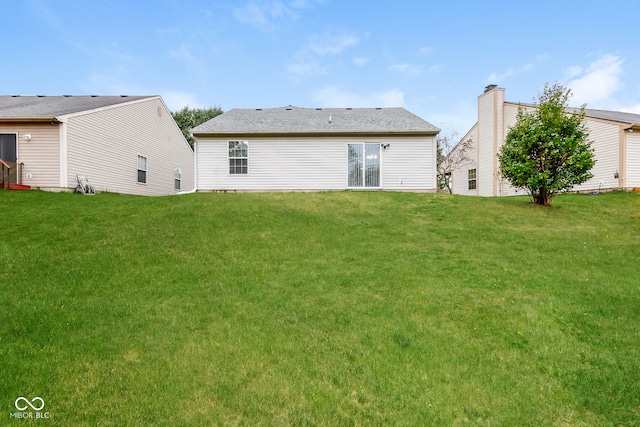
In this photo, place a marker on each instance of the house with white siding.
(615, 138)
(310, 149)
(122, 144)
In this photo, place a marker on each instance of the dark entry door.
(8, 153)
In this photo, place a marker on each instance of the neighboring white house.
(123, 144)
(615, 138)
(292, 148)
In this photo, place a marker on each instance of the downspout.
(195, 170)
(622, 162)
(64, 148)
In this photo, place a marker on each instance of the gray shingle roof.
(286, 120)
(614, 116)
(16, 106)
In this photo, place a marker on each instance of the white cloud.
(542, 57)
(183, 52)
(573, 71)
(332, 43)
(334, 96)
(263, 14)
(631, 109)
(497, 78)
(407, 69)
(305, 67)
(307, 61)
(112, 81)
(426, 51)
(500, 77)
(304, 4)
(361, 61)
(177, 100)
(601, 79)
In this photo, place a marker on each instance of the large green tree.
(548, 150)
(188, 118)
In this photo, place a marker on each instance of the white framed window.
(472, 179)
(364, 165)
(177, 178)
(238, 157)
(142, 169)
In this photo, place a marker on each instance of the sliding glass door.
(364, 165)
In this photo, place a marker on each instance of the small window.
(142, 169)
(472, 179)
(177, 178)
(238, 157)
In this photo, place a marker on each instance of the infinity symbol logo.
(31, 403)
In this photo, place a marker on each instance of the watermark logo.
(23, 405)
(33, 403)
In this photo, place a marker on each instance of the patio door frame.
(364, 165)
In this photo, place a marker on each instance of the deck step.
(16, 186)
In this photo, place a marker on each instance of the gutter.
(25, 119)
(280, 134)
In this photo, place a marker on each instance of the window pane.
(142, 162)
(142, 176)
(238, 166)
(238, 149)
(372, 165)
(355, 165)
(242, 149)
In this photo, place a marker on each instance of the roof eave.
(313, 134)
(22, 119)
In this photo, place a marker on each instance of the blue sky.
(433, 58)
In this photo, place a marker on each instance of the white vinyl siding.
(633, 161)
(510, 116)
(496, 117)
(314, 163)
(102, 144)
(40, 155)
(459, 183)
(490, 132)
(606, 143)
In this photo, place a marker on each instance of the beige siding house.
(615, 139)
(122, 144)
(308, 149)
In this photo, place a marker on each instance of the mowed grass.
(339, 308)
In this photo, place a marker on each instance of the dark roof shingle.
(614, 116)
(12, 106)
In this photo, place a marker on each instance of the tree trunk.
(543, 198)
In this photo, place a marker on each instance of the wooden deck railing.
(6, 171)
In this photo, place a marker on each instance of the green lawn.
(339, 308)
